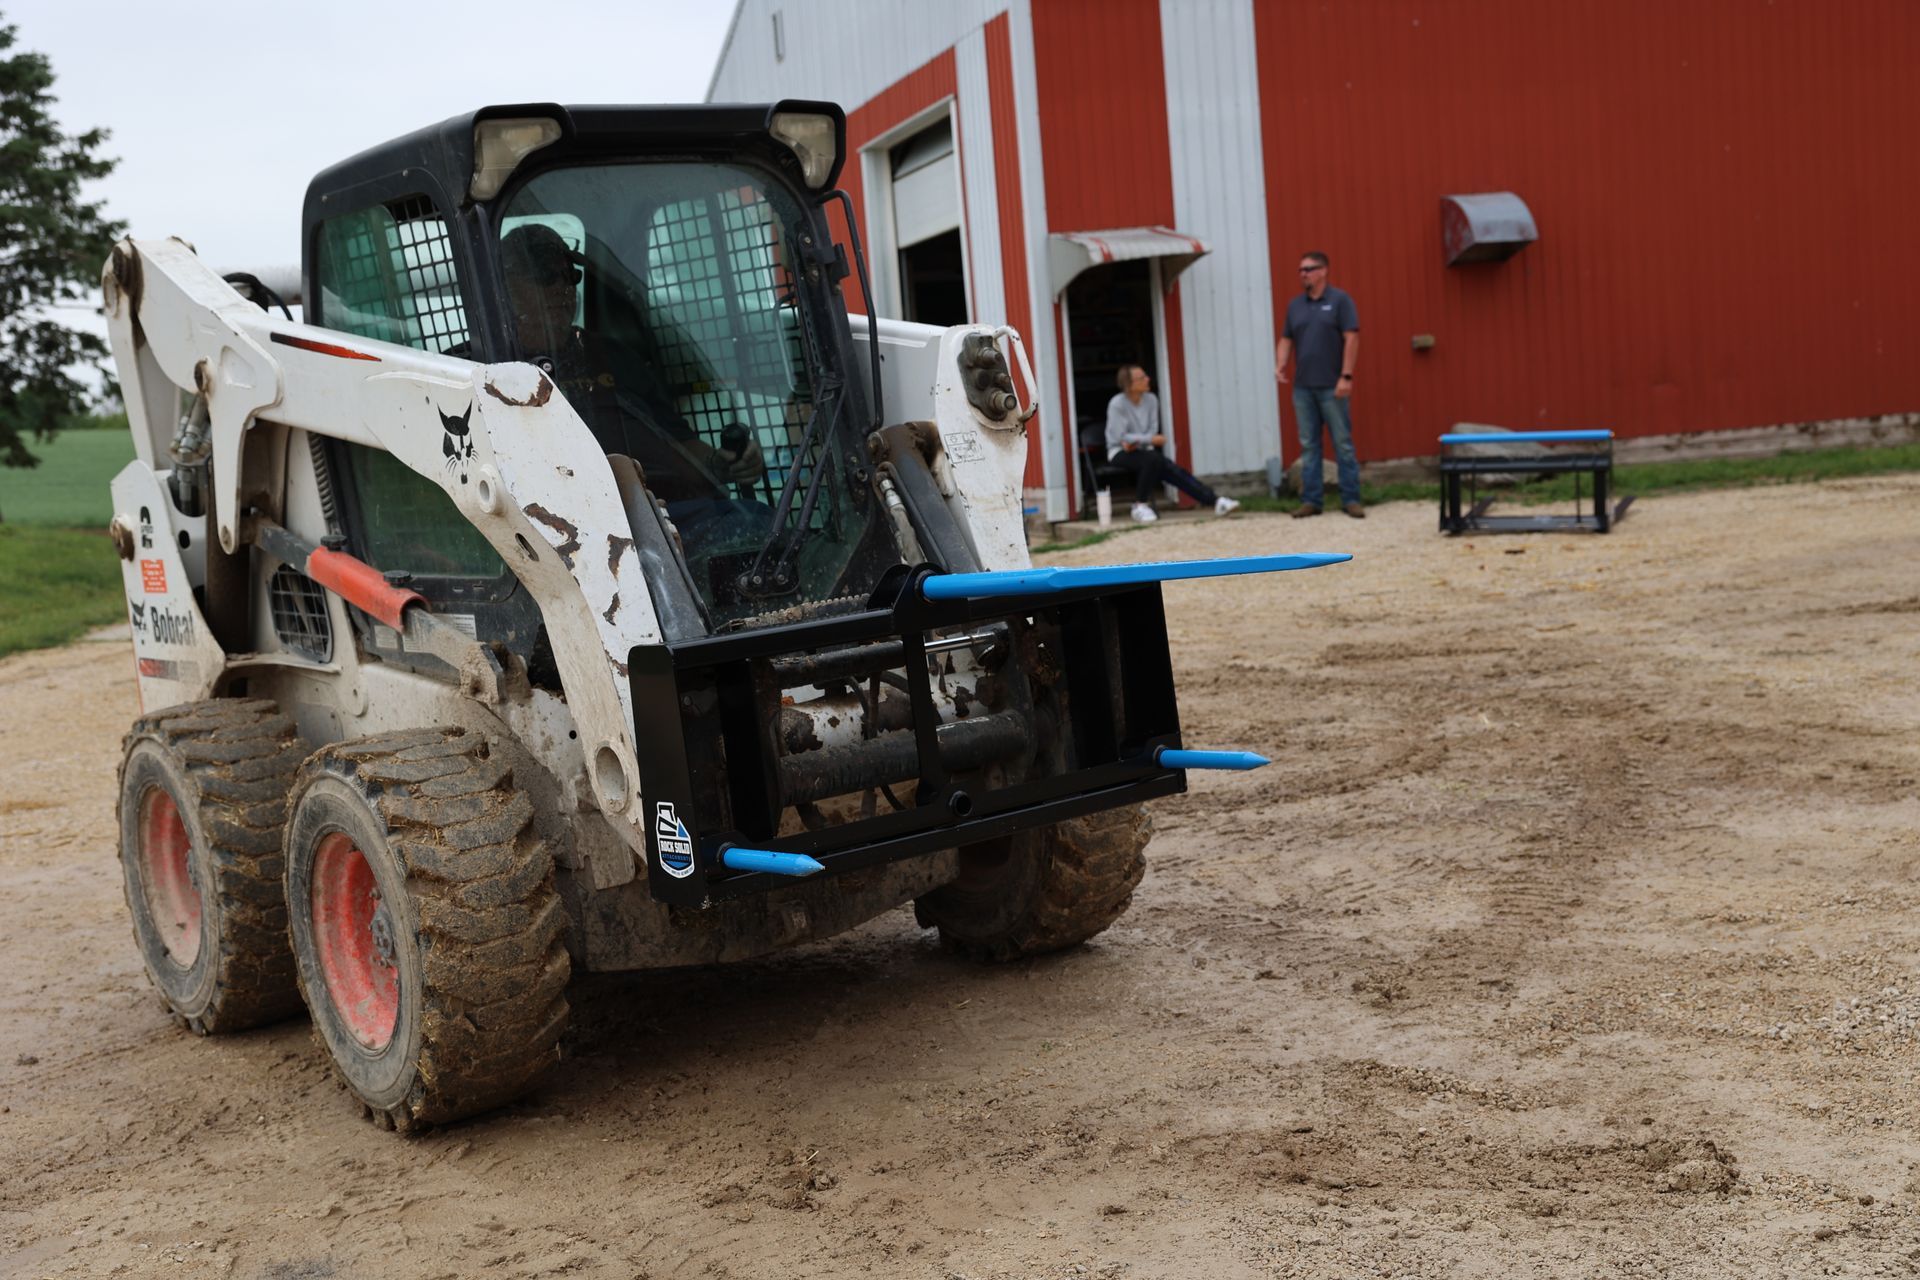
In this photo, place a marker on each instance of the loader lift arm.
(176, 326)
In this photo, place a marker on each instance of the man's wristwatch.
(1346, 377)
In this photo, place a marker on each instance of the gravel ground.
(1572, 933)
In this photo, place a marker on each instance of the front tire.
(427, 930)
(1042, 890)
(203, 790)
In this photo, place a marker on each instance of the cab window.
(386, 272)
(408, 522)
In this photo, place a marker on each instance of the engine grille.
(299, 610)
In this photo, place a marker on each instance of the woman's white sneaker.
(1144, 513)
(1225, 506)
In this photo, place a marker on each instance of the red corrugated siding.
(1103, 114)
(1724, 205)
(1103, 131)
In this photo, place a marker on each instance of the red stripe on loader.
(323, 348)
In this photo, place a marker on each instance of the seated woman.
(1134, 441)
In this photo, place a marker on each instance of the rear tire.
(203, 790)
(1042, 890)
(428, 933)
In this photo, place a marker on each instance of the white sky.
(221, 111)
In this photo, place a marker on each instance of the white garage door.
(926, 186)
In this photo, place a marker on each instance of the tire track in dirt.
(1464, 984)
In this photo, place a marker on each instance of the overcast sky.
(222, 111)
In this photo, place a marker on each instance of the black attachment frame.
(1088, 677)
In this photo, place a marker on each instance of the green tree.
(52, 246)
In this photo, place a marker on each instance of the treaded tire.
(1042, 890)
(203, 790)
(435, 966)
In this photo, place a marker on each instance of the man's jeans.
(1315, 407)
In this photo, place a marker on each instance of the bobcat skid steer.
(578, 588)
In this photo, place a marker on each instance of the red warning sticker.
(153, 577)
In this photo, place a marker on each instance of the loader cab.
(673, 272)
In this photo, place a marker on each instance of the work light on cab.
(500, 145)
(812, 138)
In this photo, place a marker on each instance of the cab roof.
(445, 150)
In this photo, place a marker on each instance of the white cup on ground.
(1103, 504)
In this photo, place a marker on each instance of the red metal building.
(1722, 222)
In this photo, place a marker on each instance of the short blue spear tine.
(1172, 758)
(735, 858)
(1040, 582)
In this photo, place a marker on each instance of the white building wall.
(845, 51)
(986, 282)
(1056, 428)
(1220, 195)
(848, 51)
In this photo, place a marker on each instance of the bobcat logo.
(456, 443)
(139, 616)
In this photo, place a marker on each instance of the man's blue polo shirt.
(1317, 329)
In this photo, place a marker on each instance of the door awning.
(1071, 252)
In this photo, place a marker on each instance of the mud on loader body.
(571, 583)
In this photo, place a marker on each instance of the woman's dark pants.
(1153, 468)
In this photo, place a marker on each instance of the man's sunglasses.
(1307, 271)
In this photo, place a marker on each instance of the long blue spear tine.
(1174, 758)
(735, 858)
(1038, 582)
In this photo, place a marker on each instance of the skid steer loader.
(580, 587)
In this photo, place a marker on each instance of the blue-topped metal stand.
(1589, 453)
(1526, 437)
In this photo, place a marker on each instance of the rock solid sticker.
(676, 846)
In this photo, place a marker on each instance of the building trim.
(726, 47)
(876, 170)
(1030, 234)
(1011, 157)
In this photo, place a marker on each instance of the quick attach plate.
(714, 773)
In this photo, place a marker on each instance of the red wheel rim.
(353, 933)
(166, 877)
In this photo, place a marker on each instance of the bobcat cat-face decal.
(456, 444)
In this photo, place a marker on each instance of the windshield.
(671, 305)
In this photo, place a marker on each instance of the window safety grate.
(299, 609)
(388, 273)
(731, 345)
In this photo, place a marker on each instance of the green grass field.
(69, 487)
(58, 574)
(55, 585)
(1646, 478)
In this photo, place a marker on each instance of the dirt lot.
(1572, 933)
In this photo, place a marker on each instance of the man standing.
(1134, 441)
(1323, 325)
